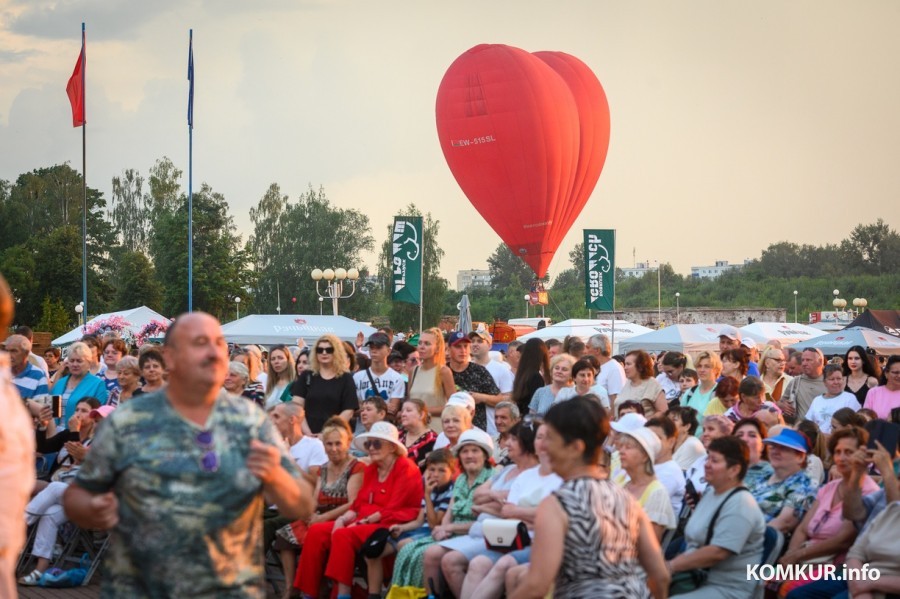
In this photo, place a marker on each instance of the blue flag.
(190, 110)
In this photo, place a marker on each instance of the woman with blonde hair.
(708, 367)
(326, 389)
(771, 370)
(432, 381)
(280, 374)
(79, 383)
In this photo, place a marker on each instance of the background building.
(473, 279)
(712, 272)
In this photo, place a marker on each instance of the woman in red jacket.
(391, 494)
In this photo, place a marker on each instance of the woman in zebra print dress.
(591, 537)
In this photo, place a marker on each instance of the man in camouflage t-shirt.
(179, 475)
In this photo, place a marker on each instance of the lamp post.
(677, 306)
(237, 307)
(334, 284)
(838, 303)
(79, 309)
(658, 295)
(795, 307)
(321, 300)
(527, 301)
(860, 304)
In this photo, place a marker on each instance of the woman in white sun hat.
(391, 493)
(637, 451)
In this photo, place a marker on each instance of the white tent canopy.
(584, 329)
(272, 329)
(786, 332)
(685, 338)
(136, 317)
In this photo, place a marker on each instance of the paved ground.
(89, 592)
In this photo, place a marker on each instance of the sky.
(733, 124)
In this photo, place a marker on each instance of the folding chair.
(274, 573)
(92, 542)
(25, 564)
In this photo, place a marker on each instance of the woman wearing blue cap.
(786, 495)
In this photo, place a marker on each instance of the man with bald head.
(799, 394)
(181, 477)
(16, 459)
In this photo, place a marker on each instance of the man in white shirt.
(378, 379)
(611, 376)
(307, 451)
(500, 372)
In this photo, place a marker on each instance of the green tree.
(509, 270)
(221, 268)
(129, 211)
(136, 282)
(165, 195)
(874, 248)
(434, 288)
(55, 318)
(290, 239)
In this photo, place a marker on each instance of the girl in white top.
(824, 406)
(432, 381)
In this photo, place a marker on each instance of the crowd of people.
(439, 467)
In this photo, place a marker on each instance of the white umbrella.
(786, 332)
(465, 315)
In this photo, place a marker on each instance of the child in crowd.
(441, 469)
(688, 380)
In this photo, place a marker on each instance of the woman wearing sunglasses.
(326, 389)
(391, 493)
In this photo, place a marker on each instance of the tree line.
(137, 255)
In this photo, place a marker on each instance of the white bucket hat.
(628, 423)
(649, 441)
(475, 436)
(383, 431)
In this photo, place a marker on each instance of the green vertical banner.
(406, 259)
(600, 269)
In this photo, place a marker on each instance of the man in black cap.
(472, 377)
(378, 380)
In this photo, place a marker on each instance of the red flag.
(75, 90)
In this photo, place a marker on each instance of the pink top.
(827, 520)
(882, 400)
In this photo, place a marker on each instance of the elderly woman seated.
(824, 535)
(391, 493)
(371, 410)
(45, 509)
(419, 563)
(785, 496)
(725, 533)
(472, 570)
(638, 451)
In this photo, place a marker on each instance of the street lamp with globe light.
(237, 307)
(527, 303)
(334, 286)
(677, 306)
(860, 304)
(79, 309)
(795, 307)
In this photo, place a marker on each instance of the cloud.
(106, 19)
(7, 56)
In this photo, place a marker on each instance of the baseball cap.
(730, 332)
(379, 339)
(482, 334)
(102, 411)
(791, 439)
(628, 423)
(456, 337)
(748, 343)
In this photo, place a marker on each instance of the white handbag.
(506, 535)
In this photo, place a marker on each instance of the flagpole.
(191, 174)
(84, 297)
(422, 279)
(612, 343)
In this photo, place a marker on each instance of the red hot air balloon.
(525, 136)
